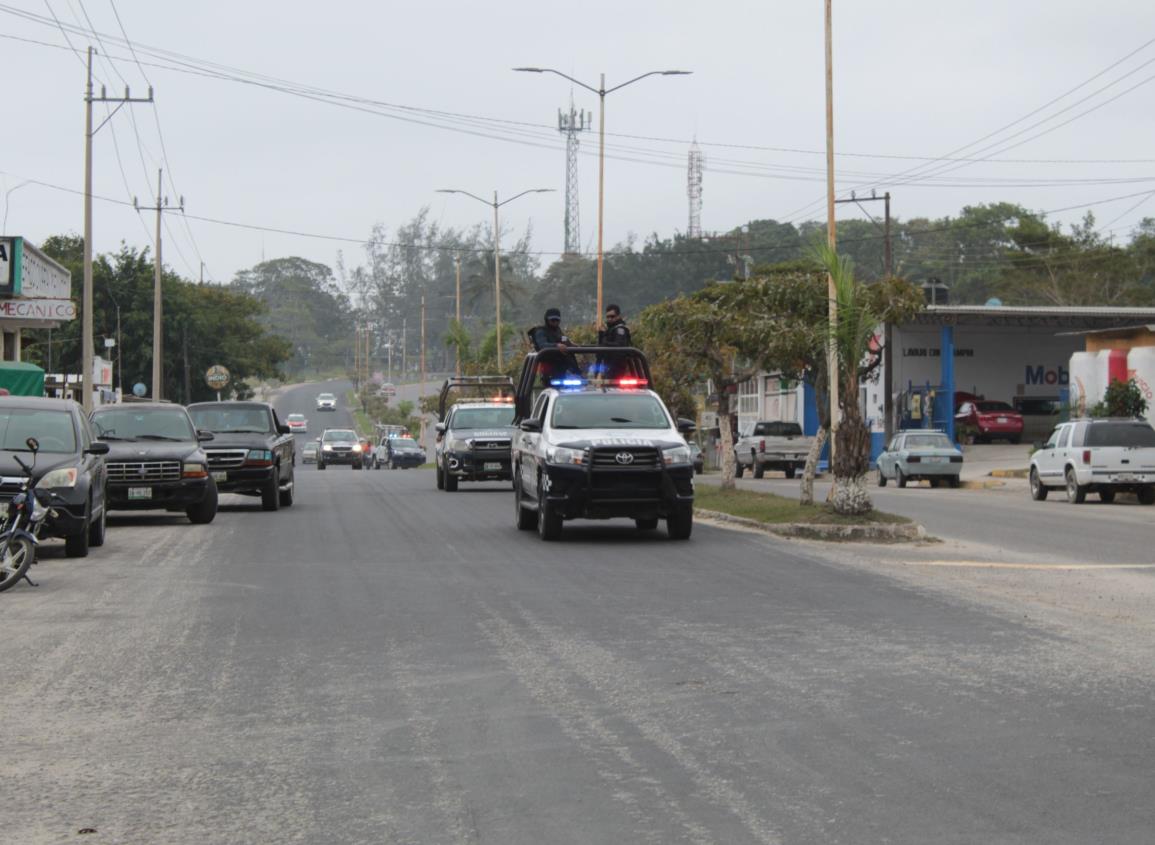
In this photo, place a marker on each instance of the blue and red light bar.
(573, 381)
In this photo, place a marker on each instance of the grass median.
(779, 510)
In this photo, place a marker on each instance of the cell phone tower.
(571, 125)
(694, 189)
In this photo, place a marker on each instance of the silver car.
(915, 455)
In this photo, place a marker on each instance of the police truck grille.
(125, 472)
(616, 458)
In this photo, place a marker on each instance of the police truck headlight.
(563, 456)
(328, 447)
(63, 477)
(677, 455)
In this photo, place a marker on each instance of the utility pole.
(86, 299)
(887, 334)
(457, 301)
(422, 344)
(187, 372)
(404, 348)
(157, 294)
(496, 279)
(831, 240)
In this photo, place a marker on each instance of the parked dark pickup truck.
(253, 453)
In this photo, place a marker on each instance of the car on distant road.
(253, 452)
(69, 475)
(1103, 456)
(919, 454)
(326, 402)
(155, 460)
(774, 445)
(340, 446)
(297, 423)
(403, 453)
(990, 420)
(309, 452)
(473, 444)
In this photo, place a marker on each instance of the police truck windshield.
(483, 417)
(611, 410)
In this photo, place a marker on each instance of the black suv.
(70, 469)
(340, 446)
(155, 460)
(253, 452)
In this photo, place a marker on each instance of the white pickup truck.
(772, 445)
(1103, 456)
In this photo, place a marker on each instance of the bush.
(1122, 399)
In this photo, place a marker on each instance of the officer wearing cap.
(549, 335)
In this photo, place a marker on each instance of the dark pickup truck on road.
(253, 453)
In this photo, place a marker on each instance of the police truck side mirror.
(439, 428)
(686, 426)
(531, 425)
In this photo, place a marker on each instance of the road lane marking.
(986, 564)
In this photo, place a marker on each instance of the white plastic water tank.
(1102, 375)
(1141, 367)
(1085, 381)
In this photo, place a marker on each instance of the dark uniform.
(547, 336)
(617, 334)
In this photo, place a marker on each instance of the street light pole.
(496, 252)
(831, 240)
(601, 91)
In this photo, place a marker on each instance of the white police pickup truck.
(599, 448)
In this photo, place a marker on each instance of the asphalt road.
(1008, 520)
(387, 663)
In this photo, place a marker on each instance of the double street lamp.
(601, 91)
(496, 246)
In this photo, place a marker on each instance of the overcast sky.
(912, 78)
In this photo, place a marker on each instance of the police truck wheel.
(548, 521)
(450, 483)
(320, 465)
(680, 522)
(646, 524)
(440, 478)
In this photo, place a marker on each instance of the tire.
(881, 478)
(1076, 494)
(450, 483)
(320, 465)
(286, 496)
(955, 482)
(1106, 495)
(756, 469)
(441, 478)
(356, 465)
(76, 545)
(1146, 495)
(738, 469)
(646, 524)
(934, 483)
(526, 519)
(680, 522)
(271, 492)
(548, 522)
(899, 478)
(1038, 490)
(204, 511)
(17, 558)
(98, 529)
(790, 471)
(1015, 441)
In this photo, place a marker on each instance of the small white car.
(599, 452)
(1103, 456)
(917, 454)
(326, 402)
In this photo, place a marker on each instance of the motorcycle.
(22, 523)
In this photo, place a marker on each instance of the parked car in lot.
(339, 446)
(1103, 456)
(155, 460)
(326, 402)
(309, 452)
(772, 445)
(920, 454)
(402, 453)
(69, 475)
(990, 420)
(297, 423)
(253, 453)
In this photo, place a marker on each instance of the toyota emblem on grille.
(624, 458)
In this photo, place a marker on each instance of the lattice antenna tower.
(694, 169)
(571, 125)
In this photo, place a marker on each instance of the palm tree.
(850, 337)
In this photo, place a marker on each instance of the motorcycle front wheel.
(16, 555)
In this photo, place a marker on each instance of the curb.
(1009, 473)
(880, 533)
